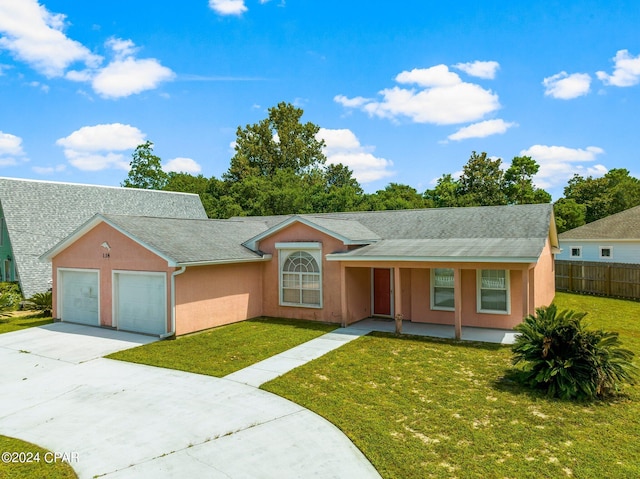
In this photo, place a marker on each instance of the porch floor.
(486, 335)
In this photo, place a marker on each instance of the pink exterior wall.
(545, 278)
(125, 254)
(209, 296)
(415, 292)
(331, 310)
(358, 287)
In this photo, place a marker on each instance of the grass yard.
(44, 467)
(422, 408)
(226, 349)
(22, 320)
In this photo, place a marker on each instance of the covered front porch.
(444, 331)
(440, 299)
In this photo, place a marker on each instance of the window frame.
(433, 287)
(285, 250)
(571, 248)
(507, 289)
(2, 228)
(601, 256)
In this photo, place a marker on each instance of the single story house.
(613, 239)
(481, 266)
(36, 215)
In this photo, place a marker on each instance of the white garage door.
(79, 296)
(140, 302)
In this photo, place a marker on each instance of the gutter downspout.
(173, 302)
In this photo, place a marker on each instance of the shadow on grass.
(294, 323)
(510, 382)
(429, 339)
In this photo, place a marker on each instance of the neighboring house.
(484, 266)
(613, 239)
(35, 215)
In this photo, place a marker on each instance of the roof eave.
(433, 259)
(266, 257)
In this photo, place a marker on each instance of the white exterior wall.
(622, 251)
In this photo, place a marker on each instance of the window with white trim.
(606, 252)
(576, 252)
(442, 289)
(493, 291)
(300, 278)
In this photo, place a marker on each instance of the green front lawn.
(42, 462)
(421, 408)
(22, 320)
(227, 349)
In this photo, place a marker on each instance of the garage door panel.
(80, 301)
(141, 302)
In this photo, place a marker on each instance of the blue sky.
(403, 91)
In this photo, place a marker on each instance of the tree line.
(279, 168)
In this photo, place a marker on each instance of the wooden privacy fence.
(609, 279)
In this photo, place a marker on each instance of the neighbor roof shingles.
(620, 226)
(39, 214)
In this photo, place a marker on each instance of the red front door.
(382, 291)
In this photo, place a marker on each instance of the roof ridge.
(68, 183)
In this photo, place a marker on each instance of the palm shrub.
(559, 355)
(42, 302)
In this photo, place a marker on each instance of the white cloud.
(125, 75)
(49, 170)
(122, 78)
(559, 163)
(228, 7)
(342, 146)
(35, 35)
(443, 98)
(437, 76)
(182, 165)
(566, 87)
(482, 129)
(626, 71)
(11, 152)
(94, 148)
(486, 70)
(355, 102)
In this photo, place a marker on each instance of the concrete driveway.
(123, 420)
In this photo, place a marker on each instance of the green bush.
(10, 297)
(559, 355)
(41, 302)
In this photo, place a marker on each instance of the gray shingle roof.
(39, 214)
(451, 249)
(624, 225)
(192, 241)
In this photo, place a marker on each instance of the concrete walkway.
(270, 368)
(275, 366)
(123, 420)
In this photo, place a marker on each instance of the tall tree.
(481, 182)
(278, 142)
(569, 214)
(396, 196)
(445, 194)
(518, 182)
(614, 192)
(146, 169)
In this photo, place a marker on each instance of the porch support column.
(457, 300)
(397, 292)
(343, 294)
(525, 293)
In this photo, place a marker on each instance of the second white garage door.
(140, 302)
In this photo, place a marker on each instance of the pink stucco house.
(482, 266)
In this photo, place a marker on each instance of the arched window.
(301, 279)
